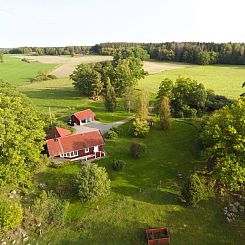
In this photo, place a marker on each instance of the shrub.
(48, 209)
(115, 129)
(10, 216)
(193, 190)
(51, 76)
(111, 135)
(118, 165)
(93, 182)
(138, 150)
(140, 127)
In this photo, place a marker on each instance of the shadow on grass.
(53, 94)
(63, 184)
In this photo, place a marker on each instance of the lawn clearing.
(144, 195)
(63, 99)
(223, 79)
(17, 72)
(67, 64)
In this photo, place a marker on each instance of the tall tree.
(165, 114)
(142, 105)
(21, 139)
(110, 97)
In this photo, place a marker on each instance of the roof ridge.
(60, 145)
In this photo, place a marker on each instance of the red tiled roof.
(82, 115)
(56, 132)
(74, 142)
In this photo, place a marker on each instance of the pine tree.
(165, 114)
(110, 97)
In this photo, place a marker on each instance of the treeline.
(189, 52)
(69, 50)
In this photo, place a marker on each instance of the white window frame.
(86, 150)
(69, 154)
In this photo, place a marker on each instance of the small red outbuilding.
(83, 117)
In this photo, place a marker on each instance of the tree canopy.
(224, 141)
(21, 139)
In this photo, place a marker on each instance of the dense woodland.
(189, 52)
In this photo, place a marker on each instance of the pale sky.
(87, 22)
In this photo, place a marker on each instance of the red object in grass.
(158, 236)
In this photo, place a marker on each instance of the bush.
(193, 190)
(48, 209)
(118, 165)
(10, 216)
(50, 76)
(138, 150)
(115, 129)
(111, 135)
(93, 182)
(140, 127)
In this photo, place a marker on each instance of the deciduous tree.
(21, 138)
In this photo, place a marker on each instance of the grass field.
(60, 96)
(16, 72)
(224, 80)
(145, 194)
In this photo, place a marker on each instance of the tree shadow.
(52, 93)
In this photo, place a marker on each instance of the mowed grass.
(225, 80)
(16, 72)
(145, 194)
(63, 100)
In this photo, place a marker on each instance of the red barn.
(84, 146)
(82, 117)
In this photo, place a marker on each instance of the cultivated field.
(67, 64)
(153, 67)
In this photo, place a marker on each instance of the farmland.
(66, 64)
(17, 72)
(223, 79)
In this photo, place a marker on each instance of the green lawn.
(16, 72)
(223, 79)
(145, 194)
(60, 96)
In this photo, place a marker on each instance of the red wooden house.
(82, 117)
(84, 146)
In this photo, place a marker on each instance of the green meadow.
(223, 79)
(16, 72)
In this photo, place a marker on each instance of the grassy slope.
(223, 79)
(145, 194)
(63, 100)
(15, 71)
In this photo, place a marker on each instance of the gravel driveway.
(103, 127)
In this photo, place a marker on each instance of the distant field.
(153, 67)
(16, 72)
(223, 79)
(67, 64)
